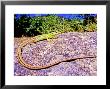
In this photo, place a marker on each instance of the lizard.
(36, 39)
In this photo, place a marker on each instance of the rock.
(68, 46)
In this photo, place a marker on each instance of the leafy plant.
(91, 27)
(20, 25)
(39, 25)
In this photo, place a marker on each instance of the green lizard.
(46, 36)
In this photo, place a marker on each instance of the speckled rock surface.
(66, 47)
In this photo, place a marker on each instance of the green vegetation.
(49, 25)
